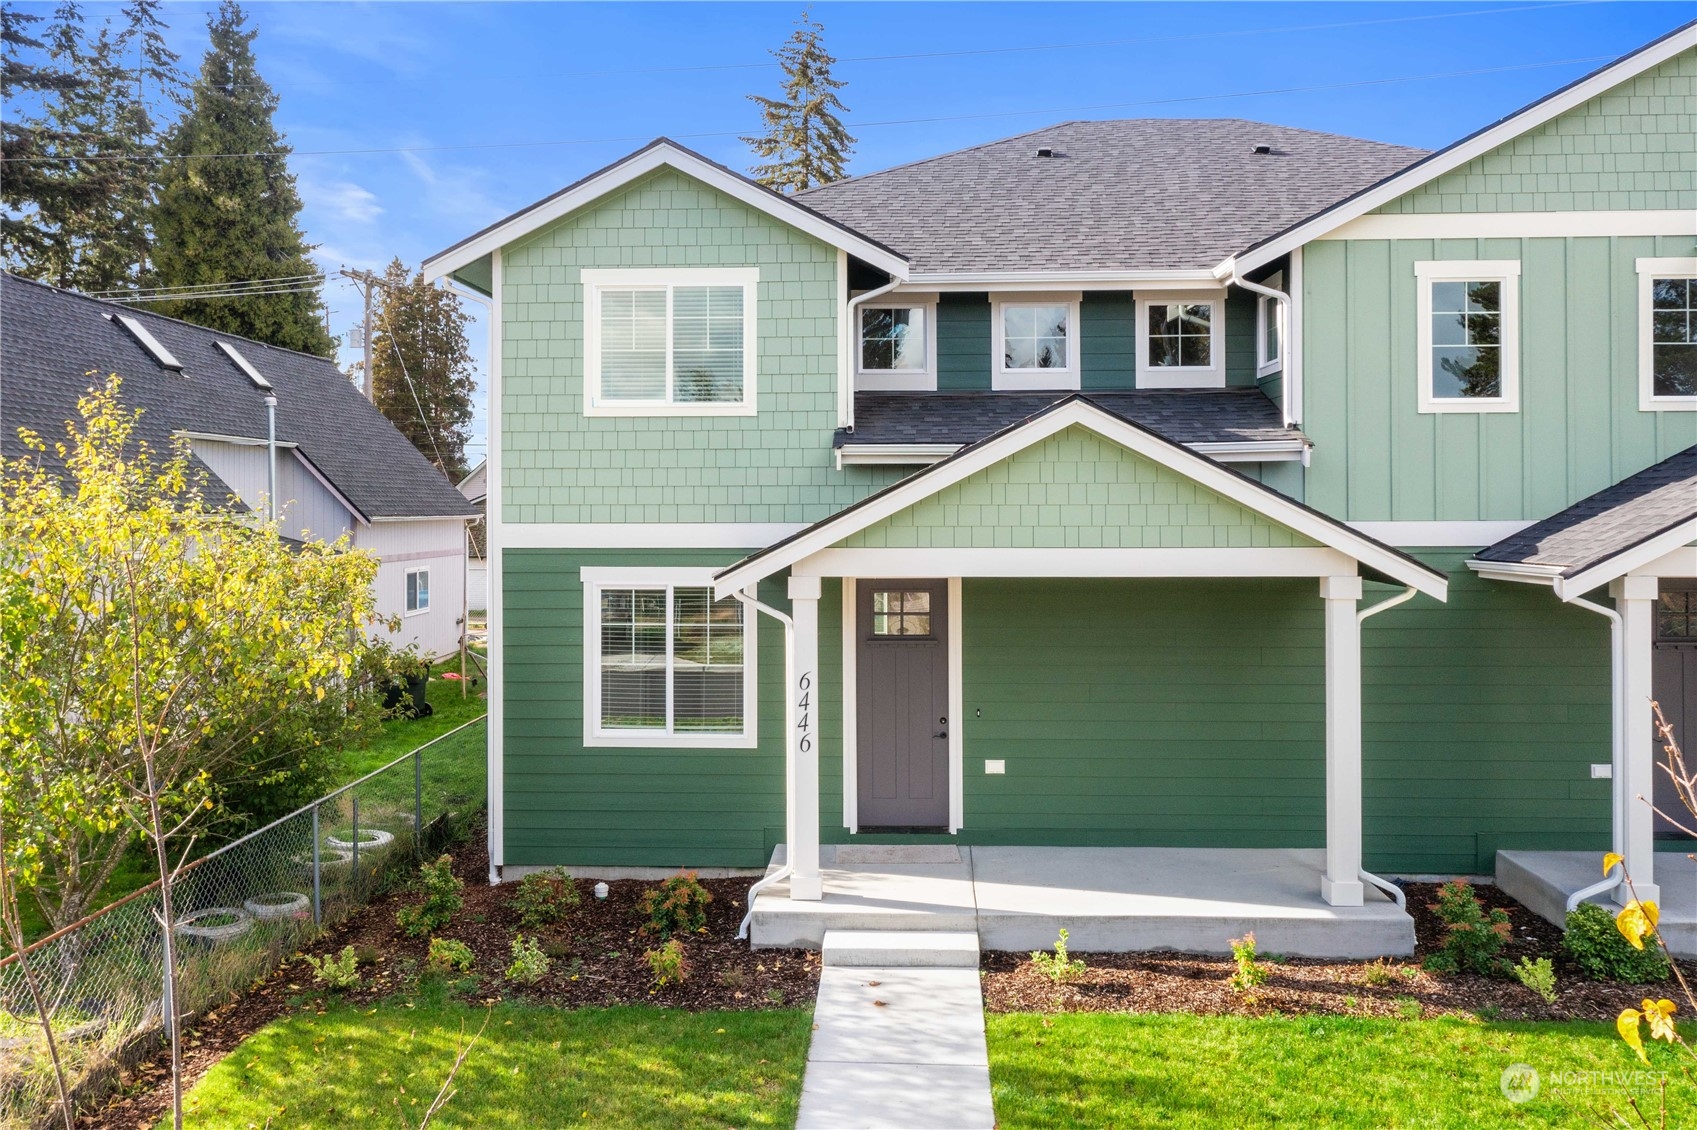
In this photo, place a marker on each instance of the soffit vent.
(155, 348)
(253, 374)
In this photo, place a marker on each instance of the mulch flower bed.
(1178, 982)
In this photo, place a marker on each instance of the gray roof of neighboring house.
(1140, 194)
(55, 344)
(1610, 522)
(1217, 415)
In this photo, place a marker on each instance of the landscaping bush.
(1249, 972)
(442, 899)
(1474, 935)
(676, 906)
(339, 973)
(449, 956)
(1596, 946)
(529, 962)
(544, 898)
(1538, 975)
(667, 963)
(1058, 966)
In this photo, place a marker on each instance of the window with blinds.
(671, 344)
(671, 661)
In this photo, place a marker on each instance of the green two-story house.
(1163, 484)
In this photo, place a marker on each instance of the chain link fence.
(240, 910)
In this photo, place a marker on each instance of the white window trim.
(1648, 271)
(1270, 313)
(425, 569)
(1002, 377)
(1183, 376)
(1504, 271)
(898, 380)
(597, 280)
(613, 577)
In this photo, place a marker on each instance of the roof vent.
(1263, 150)
(1045, 151)
(253, 374)
(155, 349)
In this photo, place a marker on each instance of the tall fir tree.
(228, 209)
(421, 367)
(32, 81)
(805, 143)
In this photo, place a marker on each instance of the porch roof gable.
(1308, 525)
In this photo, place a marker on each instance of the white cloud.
(345, 200)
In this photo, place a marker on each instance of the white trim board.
(918, 454)
(1014, 281)
(1649, 270)
(879, 564)
(1515, 225)
(1406, 535)
(641, 535)
(851, 708)
(661, 153)
(1461, 152)
(1506, 274)
(1080, 412)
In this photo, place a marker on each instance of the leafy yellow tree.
(167, 635)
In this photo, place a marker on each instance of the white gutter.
(1617, 748)
(271, 455)
(919, 454)
(1290, 398)
(1382, 883)
(854, 305)
(783, 872)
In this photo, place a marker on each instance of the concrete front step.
(897, 949)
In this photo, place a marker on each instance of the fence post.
(357, 885)
(418, 803)
(317, 905)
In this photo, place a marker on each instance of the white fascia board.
(1465, 150)
(1253, 451)
(1451, 534)
(244, 441)
(1508, 571)
(938, 281)
(429, 518)
(879, 563)
(1515, 225)
(920, 454)
(1627, 560)
(639, 165)
(1246, 492)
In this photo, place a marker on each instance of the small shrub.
(366, 954)
(558, 949)
(1249, 973)
(676, 906)
(339, 973)
(1596, 946)
(442, 899)
(1408, 1008)
(775, 996)
(1058, 966)
(733, 979)
(1473, 935)
(1539, 975)
(1378, 975)
(449, 956)
(529, 962)
(544, 898)
(667, 963)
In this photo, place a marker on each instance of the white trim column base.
(806, 883)
(1635, 600)
(1341, 884)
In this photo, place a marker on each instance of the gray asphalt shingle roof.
(1141, 194)
(1610, 522)
(1216, 415)
(54, 344)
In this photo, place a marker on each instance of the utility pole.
(367, 283)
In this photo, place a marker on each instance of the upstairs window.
(669, 342)
(1036, 343)
(1180, 339)
(897, 347)
(1270, 329)
(1469, 336)
(1667, 334)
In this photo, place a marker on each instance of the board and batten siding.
(557, 465)
(1579, 428)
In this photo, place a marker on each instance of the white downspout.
(783, 871)
(271, 456)
(1617, 748)
(854, 306)
(1382, 883)
(1291, 383)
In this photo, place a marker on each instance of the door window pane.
(1676, 616)
(1466, 340)
(901, 613)
(1673, 337)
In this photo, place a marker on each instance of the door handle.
(941, 734)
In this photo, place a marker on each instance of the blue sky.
(439, 80)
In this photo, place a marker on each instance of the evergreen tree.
(223, 218)
(30, 82)
(421, 367)
(804, 143)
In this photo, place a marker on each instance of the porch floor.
(1541, 881)
(1110, 900)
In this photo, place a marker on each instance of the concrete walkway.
(897, 1048)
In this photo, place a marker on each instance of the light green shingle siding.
(1633, 148)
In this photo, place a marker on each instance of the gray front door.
(1674, 685)
(902, 682)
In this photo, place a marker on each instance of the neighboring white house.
(340, 466)
(475, 486)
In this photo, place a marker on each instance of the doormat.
(850, 854)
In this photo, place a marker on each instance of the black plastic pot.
(408, 699)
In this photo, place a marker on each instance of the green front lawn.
(1114, 1070)
(534, 1068)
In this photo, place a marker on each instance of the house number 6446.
(803, 712)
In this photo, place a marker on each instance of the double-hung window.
(1468, 337)
(669, 341)
(665, 665)
(1667, 334)
(1270, 329)
(896, 349)
(1181, 339)
(418, 590)
(1036, 341)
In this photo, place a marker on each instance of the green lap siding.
(963, 342)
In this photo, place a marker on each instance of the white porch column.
(805, 882)
(1635, 600)
(1341, 884)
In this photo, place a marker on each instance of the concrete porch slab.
(866, 896)
(1541, 881)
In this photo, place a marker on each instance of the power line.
(629, 138)
(251, 293)
(188, 289)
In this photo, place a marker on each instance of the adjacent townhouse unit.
(333, 464)
(1217, 514)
